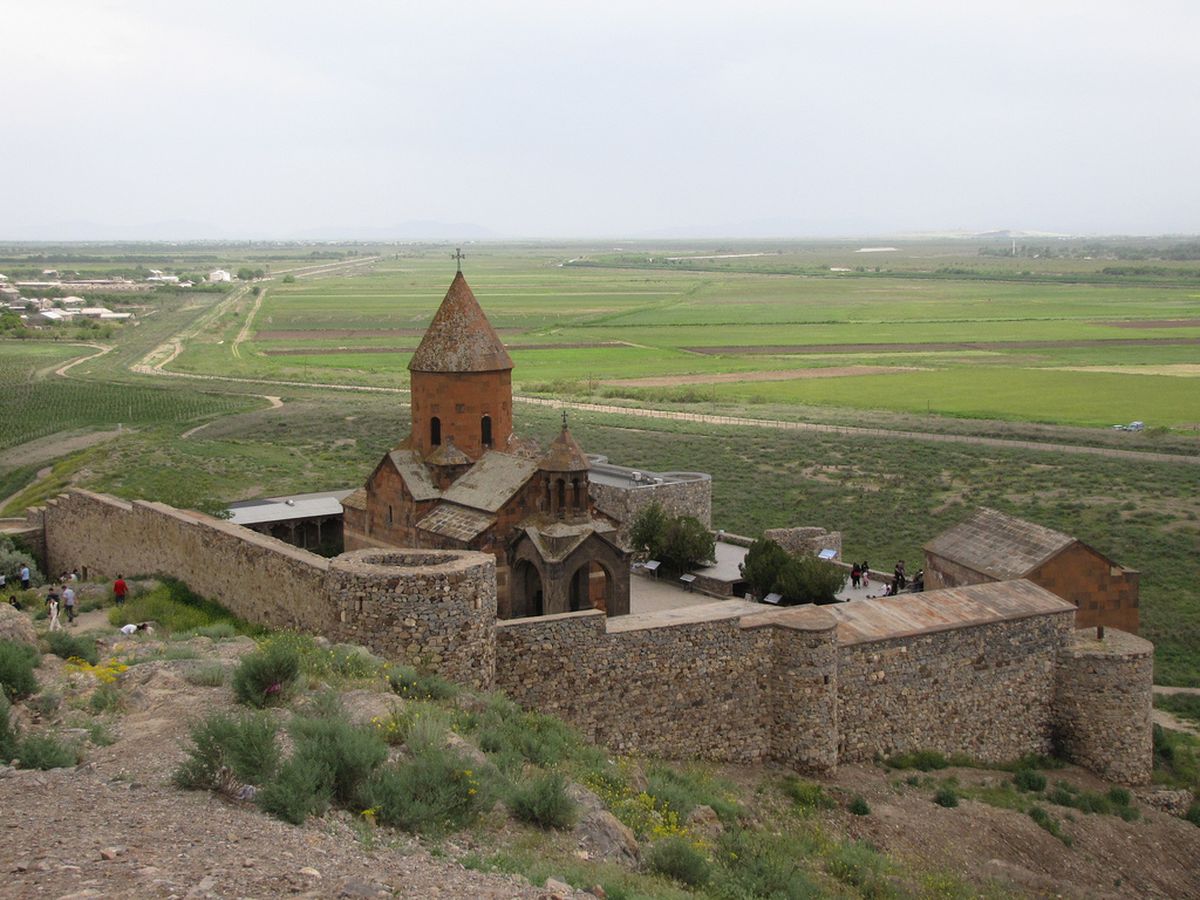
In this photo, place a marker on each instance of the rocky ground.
(115, 826)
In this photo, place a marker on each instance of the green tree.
(764, 561)
(806, 579)
(687, 544)
(649, 529)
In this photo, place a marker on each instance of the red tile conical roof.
(460, 338)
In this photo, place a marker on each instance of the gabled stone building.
(462, 480)
(992, 546)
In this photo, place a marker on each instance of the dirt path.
(276, 403)
(245, 332)
(774, 375)
(100, 349)
(325, 268)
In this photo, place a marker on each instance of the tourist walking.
(898, 578)
(55, 625)
(68, 597)
(120, 589)
(866, 574)
(855, 575)
(24, 577)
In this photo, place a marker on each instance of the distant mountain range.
(187, 230)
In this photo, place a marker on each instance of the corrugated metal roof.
(286, 509)
(998, 545)
(909, 614)
(460, 338)
(456, 522)
(415, 475)
(492, 481)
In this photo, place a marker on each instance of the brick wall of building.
(1103, 593)
(460, 400)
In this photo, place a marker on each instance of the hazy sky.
(557, 119)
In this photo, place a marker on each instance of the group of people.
(65, 602)
(22, 574)
(860, 574)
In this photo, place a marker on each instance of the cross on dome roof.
(460, 338)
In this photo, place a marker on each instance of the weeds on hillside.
(542, 800)
(69, 646)
(173, 607)
(45, 751)
(241, 744)
(267, 676)
(17, 662)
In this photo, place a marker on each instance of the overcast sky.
(571, 119)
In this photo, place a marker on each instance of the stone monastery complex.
(475, 555)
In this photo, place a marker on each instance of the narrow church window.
(435, 431)
(578, 493)
(389, 514)
(485, 427)
(562, 494)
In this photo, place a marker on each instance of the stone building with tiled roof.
(462, 480)
(992, 546)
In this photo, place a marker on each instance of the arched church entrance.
(591, 587)
(527, 596)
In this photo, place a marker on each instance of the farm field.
(953, 347)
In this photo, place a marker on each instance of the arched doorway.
(485, 431)
(527, 597)
(590, 587)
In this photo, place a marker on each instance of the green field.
(960, 346)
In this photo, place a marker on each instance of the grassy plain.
(997, 349)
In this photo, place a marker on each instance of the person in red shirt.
(120, 589)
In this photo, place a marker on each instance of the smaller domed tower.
(564, 471)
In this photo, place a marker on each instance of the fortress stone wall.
(992, 670)
(680, 494)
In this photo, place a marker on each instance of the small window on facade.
(389, 515)
(485, 428)
(562, 494)
(435, 431)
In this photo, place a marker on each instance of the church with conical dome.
(462, 480)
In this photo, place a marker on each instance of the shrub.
(302, 788)
(106, 698)
(8, 735)
(807, 579)
(764, 561)
(266, 676)
(923, 760)
(537, 738)
(45, 751)
(241, 743)
(411, 684)
(859, 806)
(1119, 796)
(946, 797)
(857, 864)
(16, 670)
(1193, 814)
(542, 801)
(806, 794)
(432, 792)
(1029, 780)
(348, 753)
(210, 675)
(686, 544)
(676, 858)
(70, 646)
(758, 864)
(1045, 821)
(682, 790)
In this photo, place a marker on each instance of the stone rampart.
(433, 609)
(257, 578)
(1104, 703)
(986, 690)
(808, 540)
(693, 689)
